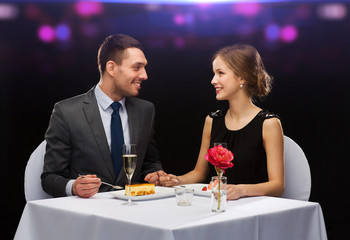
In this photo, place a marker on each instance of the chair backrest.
(297, 172)
(32, 179)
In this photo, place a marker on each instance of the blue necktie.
(117, 139)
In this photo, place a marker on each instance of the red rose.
(220, 157)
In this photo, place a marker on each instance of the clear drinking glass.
(218, 194)
(184, 196)
(129, 165)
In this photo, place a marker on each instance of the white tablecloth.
(103, 217)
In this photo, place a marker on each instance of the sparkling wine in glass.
(223, 144)
(129, 165)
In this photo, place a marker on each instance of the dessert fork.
(108, 184)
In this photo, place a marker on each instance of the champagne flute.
(223, 144)
(129, 165)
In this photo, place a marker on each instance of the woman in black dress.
(253, 135)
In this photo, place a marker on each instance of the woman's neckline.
(237, 130)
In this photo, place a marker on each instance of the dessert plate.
(161, 192)
(198, 189)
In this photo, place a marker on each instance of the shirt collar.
(104, 101)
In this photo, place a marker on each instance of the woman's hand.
(234, 192)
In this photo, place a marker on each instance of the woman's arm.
(273, 143)
(198, 174)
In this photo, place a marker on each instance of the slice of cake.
(140, 189)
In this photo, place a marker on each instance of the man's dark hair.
(113, 48)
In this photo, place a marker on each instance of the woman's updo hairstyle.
(246, 63)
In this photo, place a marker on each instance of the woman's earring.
(241, 85)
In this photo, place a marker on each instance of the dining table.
(103, 216)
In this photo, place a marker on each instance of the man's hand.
(86, 186)
(169, 180)
(154, 177)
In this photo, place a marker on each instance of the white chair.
(297, 172)
(32, 179)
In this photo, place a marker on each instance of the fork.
(108, 184)
(113, 186)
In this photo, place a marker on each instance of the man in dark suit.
(79, 133)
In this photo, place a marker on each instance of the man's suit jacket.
(77, 143)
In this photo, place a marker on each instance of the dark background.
(310, 92)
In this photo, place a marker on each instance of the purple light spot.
(46, 33)
(289, 33)
(272, 32)
(88, 9)
(63, 32)
(179, 19)
(249, 9)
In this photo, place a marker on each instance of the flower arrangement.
(220, 157)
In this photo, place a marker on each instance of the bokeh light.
(8, 11)
(249, 9)
(183, 19)
(289, 33)
(332, 11)
(88, 9)
(179, 19)
(244, 19)
(63, 32)
(272, 32)
(46, 33)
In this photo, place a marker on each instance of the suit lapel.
(133, 120)
(92, 114)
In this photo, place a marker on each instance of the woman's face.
(225, 81)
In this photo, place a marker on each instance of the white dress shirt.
(104, 105)
(105, 109)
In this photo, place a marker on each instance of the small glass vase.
(218, 194)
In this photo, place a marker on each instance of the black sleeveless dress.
(246, 144)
